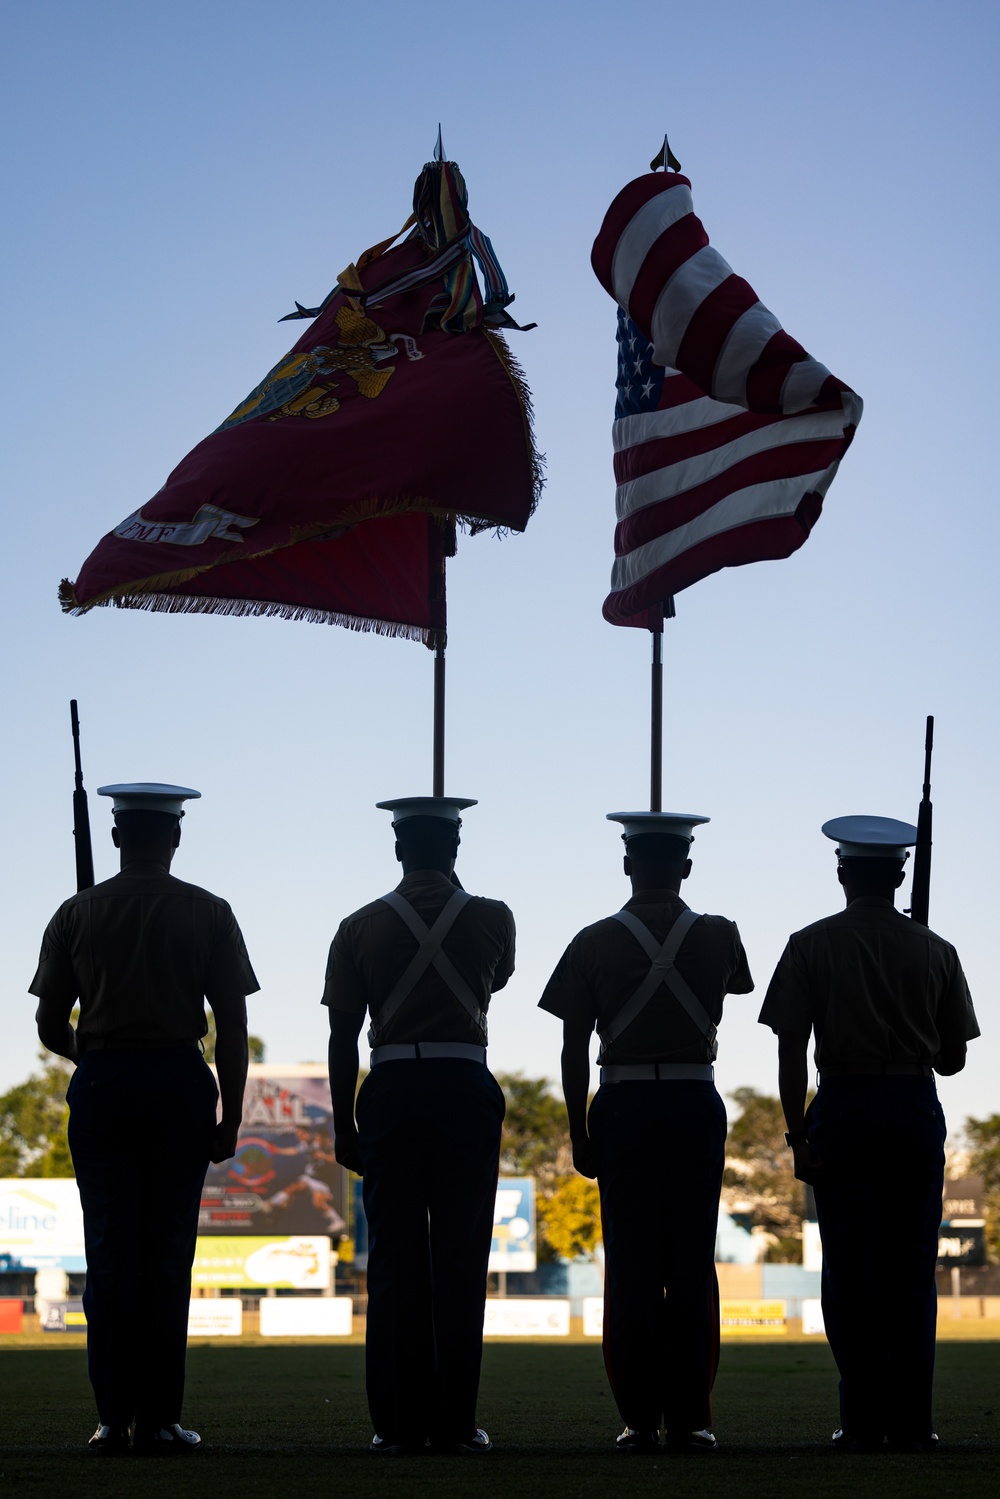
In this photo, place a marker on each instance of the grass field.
(291, 1421)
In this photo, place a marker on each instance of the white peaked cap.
(676, 824)
(449, 808)
(871, 837)
(148, 796)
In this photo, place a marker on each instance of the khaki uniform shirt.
(874, 986)
(142, 952)
(604, 965)
(373, 947)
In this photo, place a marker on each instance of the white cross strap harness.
(662, 971)
(429, 954)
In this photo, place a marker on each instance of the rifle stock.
(81, 812)
(920, 894)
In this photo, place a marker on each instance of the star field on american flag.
(639, 380)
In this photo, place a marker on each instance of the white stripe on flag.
(646, 426)
(802, 384)
(757, 502)
(680, 299)
(641, 234)
(675, 478)
(745, 342)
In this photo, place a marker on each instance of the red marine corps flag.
(333, 490)
(727, 433)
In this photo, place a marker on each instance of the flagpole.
(666, 611)
(438, 776)
(441, 539)
(656, 723)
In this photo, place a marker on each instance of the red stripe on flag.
(677, 390)
(710, 326)
(770, 371)
(674, 246)
(656, 520)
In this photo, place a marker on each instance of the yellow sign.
(753, 1319)
(298, 1262)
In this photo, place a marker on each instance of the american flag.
(727, 433)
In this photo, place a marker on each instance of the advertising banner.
(306, 1316)
(526, 1317)
(962, 1238)
(750, 1319)
(215, 1317)
(41, 1224)
(62, 1316)
(513, 1246)
(297, 1263)
(284, 1177)
(593, 1316)
(812, 1316)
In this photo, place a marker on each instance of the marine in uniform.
(140, 954)
(423, 962)
(888, 1005)
(651, 981)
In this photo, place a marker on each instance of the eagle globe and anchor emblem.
(304, 384)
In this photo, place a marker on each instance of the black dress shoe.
(856, 1445)
(164, 1441)
(636, 1443)
(475, 1445)
(690, 1441)
(472, 1446)
(386, 1447)
(109, 1441)
(926, 1444)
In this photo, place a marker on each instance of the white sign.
(526, 1317)
(306, 1317)
(41, 1224)
(812, 1245)
(812, 1316)
(215, 1317)
(593, 1316)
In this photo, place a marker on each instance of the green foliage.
(33, 1119)
(983, 1136)
(759, 1184)
(536, 1143)
(256, 1045)
(571, 1217)
(535, 1131)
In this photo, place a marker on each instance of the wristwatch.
(795, 1136)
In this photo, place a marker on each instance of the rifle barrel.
(81, 812)
(920, 894)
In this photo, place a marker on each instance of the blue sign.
(514, 1245)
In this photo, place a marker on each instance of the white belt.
(415, 1051)
(658, 1072)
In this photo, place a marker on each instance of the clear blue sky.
(177, 174)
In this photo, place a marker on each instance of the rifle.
(81, 814)
(920, 893)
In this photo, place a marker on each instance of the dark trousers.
(430, 1143)
(140, 1129)
(880, 1141)
(660, 1149)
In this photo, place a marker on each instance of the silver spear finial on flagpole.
(439, 147)
(665, 158)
